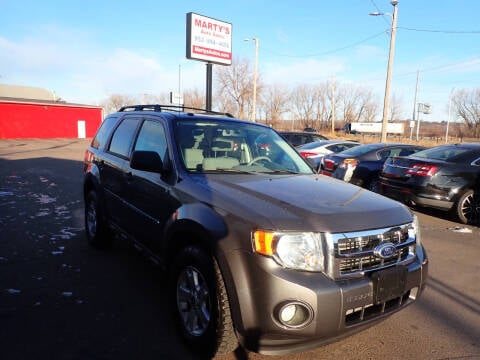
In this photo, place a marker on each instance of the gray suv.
(261, 251)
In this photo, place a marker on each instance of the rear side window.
(101, 137)
(122, 138)
(447, 153)
(317, 138)
(395, 152)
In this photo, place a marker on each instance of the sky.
(87, 50)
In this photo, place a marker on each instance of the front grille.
(355, 253)
(370, 262)
(364, 313)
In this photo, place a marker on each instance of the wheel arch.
(193, 224)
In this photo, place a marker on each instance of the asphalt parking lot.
(60, 299)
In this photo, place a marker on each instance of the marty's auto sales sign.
(209, 39)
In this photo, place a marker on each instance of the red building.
(45, 118)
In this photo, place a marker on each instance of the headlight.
(414, 230)
(300, 251)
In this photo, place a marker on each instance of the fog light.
(294, 314)
(287, 313)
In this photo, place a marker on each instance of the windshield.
(221, 145)
(360, 150)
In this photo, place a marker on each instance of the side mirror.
(146, 161)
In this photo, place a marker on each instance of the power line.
(440, 31)
(327, 52)
(380, 12)
(446, 67)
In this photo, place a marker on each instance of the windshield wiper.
(232, 171)
(280, 171)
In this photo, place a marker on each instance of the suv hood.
(301, 202)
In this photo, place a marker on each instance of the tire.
(373, 185)
(97, 232)
(467, 208)
(200, 303)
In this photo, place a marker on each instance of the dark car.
(297, 138)
(361, 165)
(445, 177)
(259, 250)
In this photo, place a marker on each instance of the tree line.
(304, 105)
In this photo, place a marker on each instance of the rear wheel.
(201, 305)
(467, 208)
(373, 185)
(98, 234)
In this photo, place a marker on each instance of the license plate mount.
(389, 284)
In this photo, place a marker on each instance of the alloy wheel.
(193, 301)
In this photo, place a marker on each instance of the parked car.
(259, 250)
(317, 149)
(361, 165)
(445, 177)
(298, 138)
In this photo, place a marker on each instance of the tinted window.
(103, 132)
(447, 153)
(123, 137)
(317, 138)
(313, 145)
(383, 154)
(336, 148)
(360, 150)
(152, 138)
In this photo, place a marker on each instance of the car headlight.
(300, 251)
(414, 230)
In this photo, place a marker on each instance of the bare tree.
(370, 111)
(304, 100)
(395, 108)
(357, 104)
(467, 106)
(193, 98)
(275, 103)
(349, 98)
(323, 112)
(116, 101)
(235, 88)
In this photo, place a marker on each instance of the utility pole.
(386, 103)
(414, 107)
(333, 106)
(449, 114)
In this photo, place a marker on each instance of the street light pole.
(255, 74)
(386, 101)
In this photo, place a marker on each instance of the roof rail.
(179, 108)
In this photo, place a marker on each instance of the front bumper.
(259, 288)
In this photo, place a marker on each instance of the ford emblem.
(385, 250)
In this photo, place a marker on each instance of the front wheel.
(467, 208)
(201, 304)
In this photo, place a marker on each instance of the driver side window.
(152, 138)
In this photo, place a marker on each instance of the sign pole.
(208, 92)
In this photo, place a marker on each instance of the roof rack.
(179, 108)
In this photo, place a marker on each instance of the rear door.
(114, 164)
